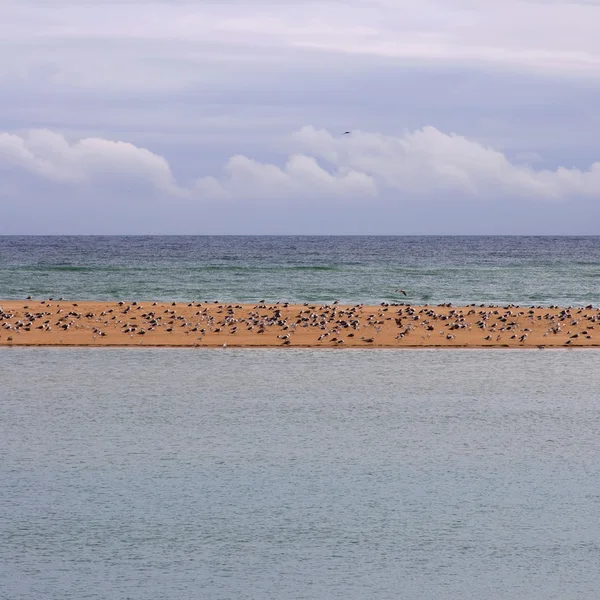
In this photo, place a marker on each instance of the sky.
(228, 117)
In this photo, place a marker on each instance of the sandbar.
(307, 325)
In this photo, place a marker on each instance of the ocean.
(432, 270)
(300, 474)
(274, 474)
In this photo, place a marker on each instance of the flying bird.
(346, 133)
(402, 291)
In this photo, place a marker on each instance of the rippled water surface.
(524, 270)
(271, 474)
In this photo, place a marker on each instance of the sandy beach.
(216, 324)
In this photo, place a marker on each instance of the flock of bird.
(51, 322)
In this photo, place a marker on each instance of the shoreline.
(121, 324)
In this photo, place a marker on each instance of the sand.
(218, 324)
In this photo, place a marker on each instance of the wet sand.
(218, 324)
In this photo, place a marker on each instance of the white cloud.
(87, 162)
(301, 178)
(420, 165)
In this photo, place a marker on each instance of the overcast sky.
(467, 117)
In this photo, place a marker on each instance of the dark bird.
(402, 291)
(346, 133)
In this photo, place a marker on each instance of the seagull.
(401, 291)
(346, 133)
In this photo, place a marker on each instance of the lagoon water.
(299, 474)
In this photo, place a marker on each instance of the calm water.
(525, 270)
(300, 474)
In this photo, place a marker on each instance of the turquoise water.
(269, 474)
(523, 270)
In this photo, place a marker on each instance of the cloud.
(520, 35)
(418, 165)
(159, 44)
(522, 75)
(422, 165)
(87, 162)
(551, 35)
(301, 178)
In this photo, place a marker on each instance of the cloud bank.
(415, 166)
(544, 35)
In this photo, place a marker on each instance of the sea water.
(299, 474)
(431, 269)
(289, 474)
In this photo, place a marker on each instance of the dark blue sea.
(525, 270)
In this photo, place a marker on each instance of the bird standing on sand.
(402, 291)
